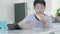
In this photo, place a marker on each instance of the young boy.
(38, 20)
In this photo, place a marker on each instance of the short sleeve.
(27, 19)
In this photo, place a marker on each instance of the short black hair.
(40, 2)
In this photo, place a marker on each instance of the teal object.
(3, 25)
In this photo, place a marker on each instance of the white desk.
(36, 31)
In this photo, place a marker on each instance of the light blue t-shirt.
(36, 23)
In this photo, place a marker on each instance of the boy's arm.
(24, 25)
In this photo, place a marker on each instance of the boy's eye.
(37, 7)
(42, 7)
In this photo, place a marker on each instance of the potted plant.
(58, 14)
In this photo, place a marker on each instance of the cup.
(3, 25)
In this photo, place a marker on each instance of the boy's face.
(39, 8)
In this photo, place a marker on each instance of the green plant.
(58, 12)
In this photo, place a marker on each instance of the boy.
(38, 20)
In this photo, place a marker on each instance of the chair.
(13, 27)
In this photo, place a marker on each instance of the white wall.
(7, 9)
(48, 10)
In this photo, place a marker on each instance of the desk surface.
(35, 31)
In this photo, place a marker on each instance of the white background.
(7, 9)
